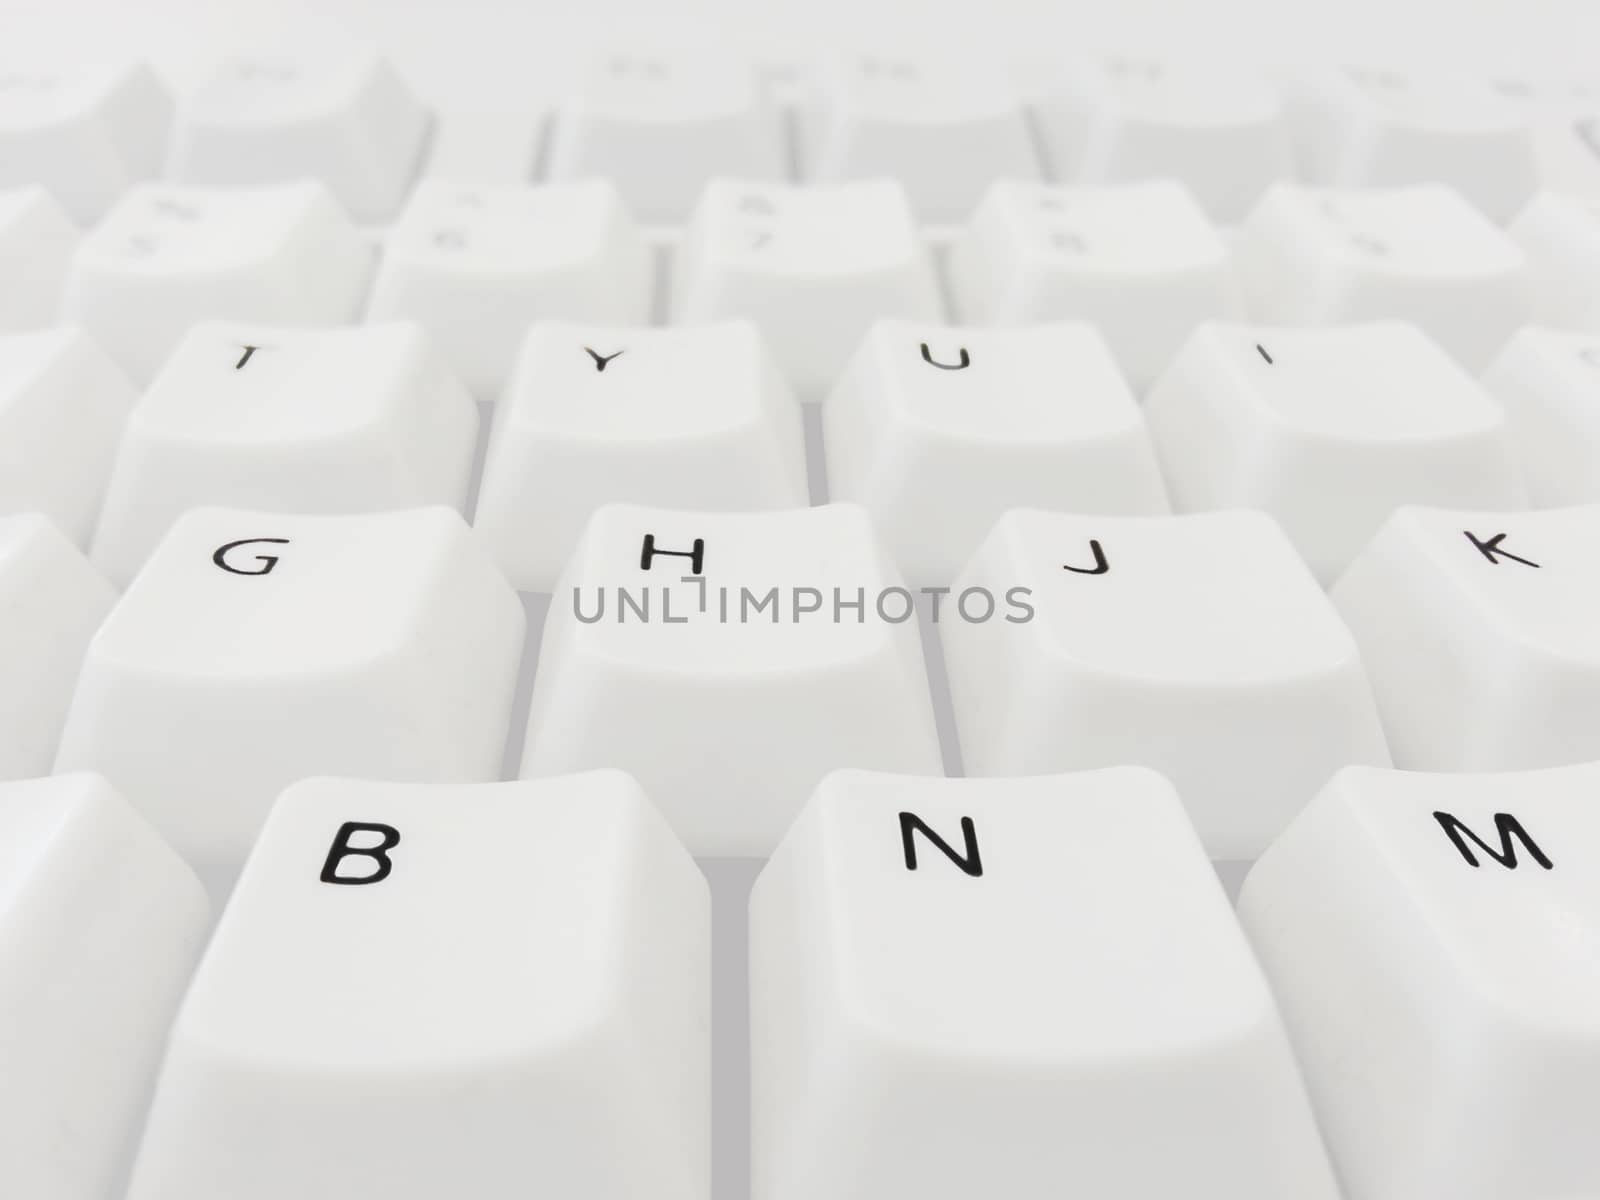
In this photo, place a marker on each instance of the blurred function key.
(100, 925)
(497, 991)
(1026, 988)
(1431, 939)
(697, 417)
(255, 649)
(85, 132)
(37, 241)
(358, 419)
(347, 120)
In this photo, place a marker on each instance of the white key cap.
(1560, 235)
(938, 430)
(351, 420)
(37, 241)
(943, 129)
(100, 925)
(1422, 254)
(498, 991)
(1026, 988)
(1549, 383)
(347, 120)
(87, 133)
(1429, 939)
(168, 257)
(62, 408)
(814, 267)
(51, 603)
(1222, 133)
(478, 265)
(690, 418)
(1199, 645)
(1329, 430)
(1139, 260)
(660, 125)
(729, 715)
(1377, 128)
(255, 649)
(1479, 636)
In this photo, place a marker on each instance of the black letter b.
(342, 849)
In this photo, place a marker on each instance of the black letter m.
(1508, 828)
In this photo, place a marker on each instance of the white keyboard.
(856, 625)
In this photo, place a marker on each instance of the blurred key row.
(662, 124)
(954, 986)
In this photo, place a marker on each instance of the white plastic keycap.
(37, 241)
(1549, 382)
(1010, 987)
(100, 925)
(51, 603)
(1221, 132)
(1479, 636)
(497, 991)
(1139, 260)
(697, 417)
(661, 124)
(347, 120)
(1360, 127)
(255, 649)
(168, 257)
(813, 267)
(938, 430)
(277, 419)
(944, 129)
(1560, 235)
(1329, 431)
(1311, 256)
(1200, 646)
(62, 409)
(712, 656)
(85, 132)
(478, 265)
(1430, 940)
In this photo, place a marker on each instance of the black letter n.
(1508, 828)
(971, 862)
(388, 839)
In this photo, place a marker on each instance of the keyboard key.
(85, 133)
(1198, 645)
(660, 125)
(728, 661)
(349, 420)
(1376, 128)
(1329, 430)
(813, 267)
(938, 430)
(1221, 133)
(478, 265)
(347, 120)
(51, 603)
(943, 129)
(256, 649)
(37, 241)
(495, 991)
(1549, 383)
(1478, 633)
(1561, 237)
(1139, 260)
(692, 418)
(100, 925)
(62, 409)
(1420, 254)
(168, 257)
(993, 987)
(1428, 937)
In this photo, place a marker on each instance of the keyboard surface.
(868, 607)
